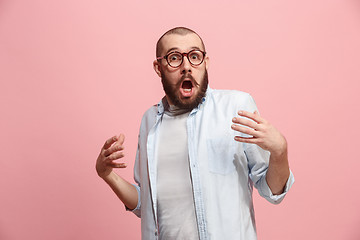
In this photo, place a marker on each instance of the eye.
(174, 57)
(195, 55)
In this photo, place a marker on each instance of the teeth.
(187, 90)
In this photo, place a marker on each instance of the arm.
(110, 152)
(268, 138)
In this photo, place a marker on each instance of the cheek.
(200, 75)
(172, 76)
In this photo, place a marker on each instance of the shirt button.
(156, 233)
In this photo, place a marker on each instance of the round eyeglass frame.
(182, 57)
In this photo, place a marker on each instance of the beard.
(172, 91)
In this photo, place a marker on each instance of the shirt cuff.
(265, 190)
(136, 210)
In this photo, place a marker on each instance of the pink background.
(74, 73)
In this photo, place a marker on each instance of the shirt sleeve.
(258, 163)
(137, 209)
(140, 167)
(265, 191)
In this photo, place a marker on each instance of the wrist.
(280, 152)
(109, 177)
(104, 173)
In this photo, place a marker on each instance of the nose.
(186, 66)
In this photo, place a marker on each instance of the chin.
(177, 99)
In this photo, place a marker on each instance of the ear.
(157, 67)
(207, 62)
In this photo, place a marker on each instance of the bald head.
(178, 30)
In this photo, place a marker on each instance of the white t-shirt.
(176, 211)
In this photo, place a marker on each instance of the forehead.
(181, 42)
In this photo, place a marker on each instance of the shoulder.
(149, 115)
(230, 97)
(150, 112)
(229, 94)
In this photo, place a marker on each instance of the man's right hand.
(110, 152)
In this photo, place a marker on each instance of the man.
(200, 153)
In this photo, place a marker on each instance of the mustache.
(187, 76)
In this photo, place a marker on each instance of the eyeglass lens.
(195, 57)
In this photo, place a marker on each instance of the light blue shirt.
(223, 171)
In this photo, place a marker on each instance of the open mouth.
(186, 88)
(187, 85)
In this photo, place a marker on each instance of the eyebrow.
(176, 48)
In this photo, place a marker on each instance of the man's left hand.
(261, 133)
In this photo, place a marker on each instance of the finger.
(113, 149)
(121, 139)
(114, 156)
(117, 165)
(246, 130)
(253, 116)
(246, 139)
(109, 142)
(246, 122)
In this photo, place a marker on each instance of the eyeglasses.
(175, 58)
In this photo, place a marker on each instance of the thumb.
(121, 139)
